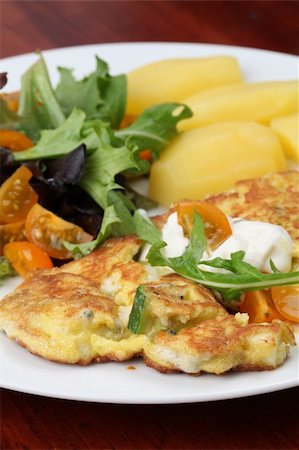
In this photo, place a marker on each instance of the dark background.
(26, 25)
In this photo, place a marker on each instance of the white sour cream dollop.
(261, 242)
(173, 235)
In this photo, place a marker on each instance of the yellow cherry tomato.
(25, 256)
(286, 301)
(217, 227)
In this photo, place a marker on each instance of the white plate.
(113, 382)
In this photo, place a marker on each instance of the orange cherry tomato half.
(127, 120)
(259, 306)
(17, 196)
(10, 232)
(14, 140)
(286, 300)
(217, 227)
(146, 155)
(48, 231)
(25, 256)
(12, 100)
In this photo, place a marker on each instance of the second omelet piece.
(219, 345)
(272, 198)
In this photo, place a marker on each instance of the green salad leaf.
(123, 208)
(73, 132)
(79, 250)
(86, 112)
(38, 106)
(156, 126)
(9, 120)
(241, 276)
(6, 269)
(99, 94)
(102, 165)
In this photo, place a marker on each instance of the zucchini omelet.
(79, 313)
(272, 198)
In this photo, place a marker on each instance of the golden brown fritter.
(122, 281)
(53, 315)
(173, 302)
(219, 345)
(272, 198)
(62, 314)
(97, 265)
(78, 313)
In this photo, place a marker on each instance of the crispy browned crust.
(127, 276)
(62, 294)
(214, 342)
(49, 312)
(97, 264)
(162, 369)
(181, 301)
(272, 198)
(79, 362)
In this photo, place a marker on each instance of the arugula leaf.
(241, 278)
(147, 231)
(38, 105)
(79, 250)
(156, 126)
(8, 119)
(99, 94)
(68, 136)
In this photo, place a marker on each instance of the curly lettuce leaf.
(102, 165)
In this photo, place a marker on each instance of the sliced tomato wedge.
(25, 257)
(10, 232)
(286, 300)
(17, 196)
(259, 306)
(217, 227)
(14, 140)
(48, 232)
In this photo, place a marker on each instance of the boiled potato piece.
(174, 79)
(211, 159)
(286, 129)
(259, 102)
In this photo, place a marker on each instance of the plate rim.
(150, 43)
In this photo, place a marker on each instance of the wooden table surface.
(267, 421)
